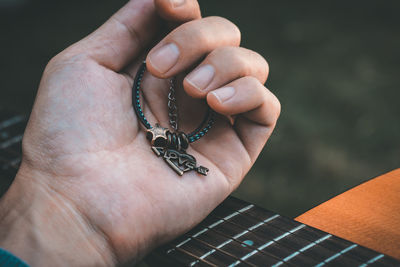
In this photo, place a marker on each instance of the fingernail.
(164, 58)
(201, 77)
(176, 3)
(223, 94)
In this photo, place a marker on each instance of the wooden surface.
(368, 214)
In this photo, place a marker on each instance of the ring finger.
(222, 66)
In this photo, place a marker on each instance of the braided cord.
(199, 132)
(136, 96)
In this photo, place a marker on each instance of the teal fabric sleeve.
(9, 260)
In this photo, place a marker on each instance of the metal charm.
(157, 136)
(179, 161)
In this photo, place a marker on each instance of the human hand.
(94, 192)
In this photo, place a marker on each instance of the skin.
(90, 192)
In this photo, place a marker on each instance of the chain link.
(172, 107)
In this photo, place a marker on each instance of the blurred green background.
(335, 66)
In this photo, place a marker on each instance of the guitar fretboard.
(12, 128)
(236, 233)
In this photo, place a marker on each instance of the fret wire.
(217, 249)
(238, 241)
(9, 164)
(11, 121)
(300, 251)
(354, 257)
(305, 238)
(13, 164)
(234, 240)
(374, 259)
(261, 248)
(242, 243)
(251, 230)
(196, 257)
(211, 226)
(331, 258)
(11, 141)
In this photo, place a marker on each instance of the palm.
(92, 126)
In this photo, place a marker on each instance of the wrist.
(43, 228)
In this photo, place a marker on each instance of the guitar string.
(211, 226)
(242, 243)
(310, 240)
(229, 238)
(254, 233)
(307, 239)
(303, 237)
(232, 239)
(196, 257)
(222, 251)
(298, 252)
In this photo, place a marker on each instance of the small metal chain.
(193, 136)
(172, 107)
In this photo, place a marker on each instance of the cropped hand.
(90, 189)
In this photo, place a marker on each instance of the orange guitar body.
(368, 214)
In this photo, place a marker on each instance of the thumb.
(128, 32)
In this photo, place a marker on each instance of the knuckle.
(263, 69)
(66, 58)
(229, 25)
(193, 31)
(54, 62)
(275, 105)
(257, 64)
(238, 34)
(224, 53)
(242, 61)
(251, 81)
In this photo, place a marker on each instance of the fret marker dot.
(247, 243)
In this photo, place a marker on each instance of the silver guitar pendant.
(175, 157)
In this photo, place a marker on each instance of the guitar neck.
(236, 233)
(12, 128)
